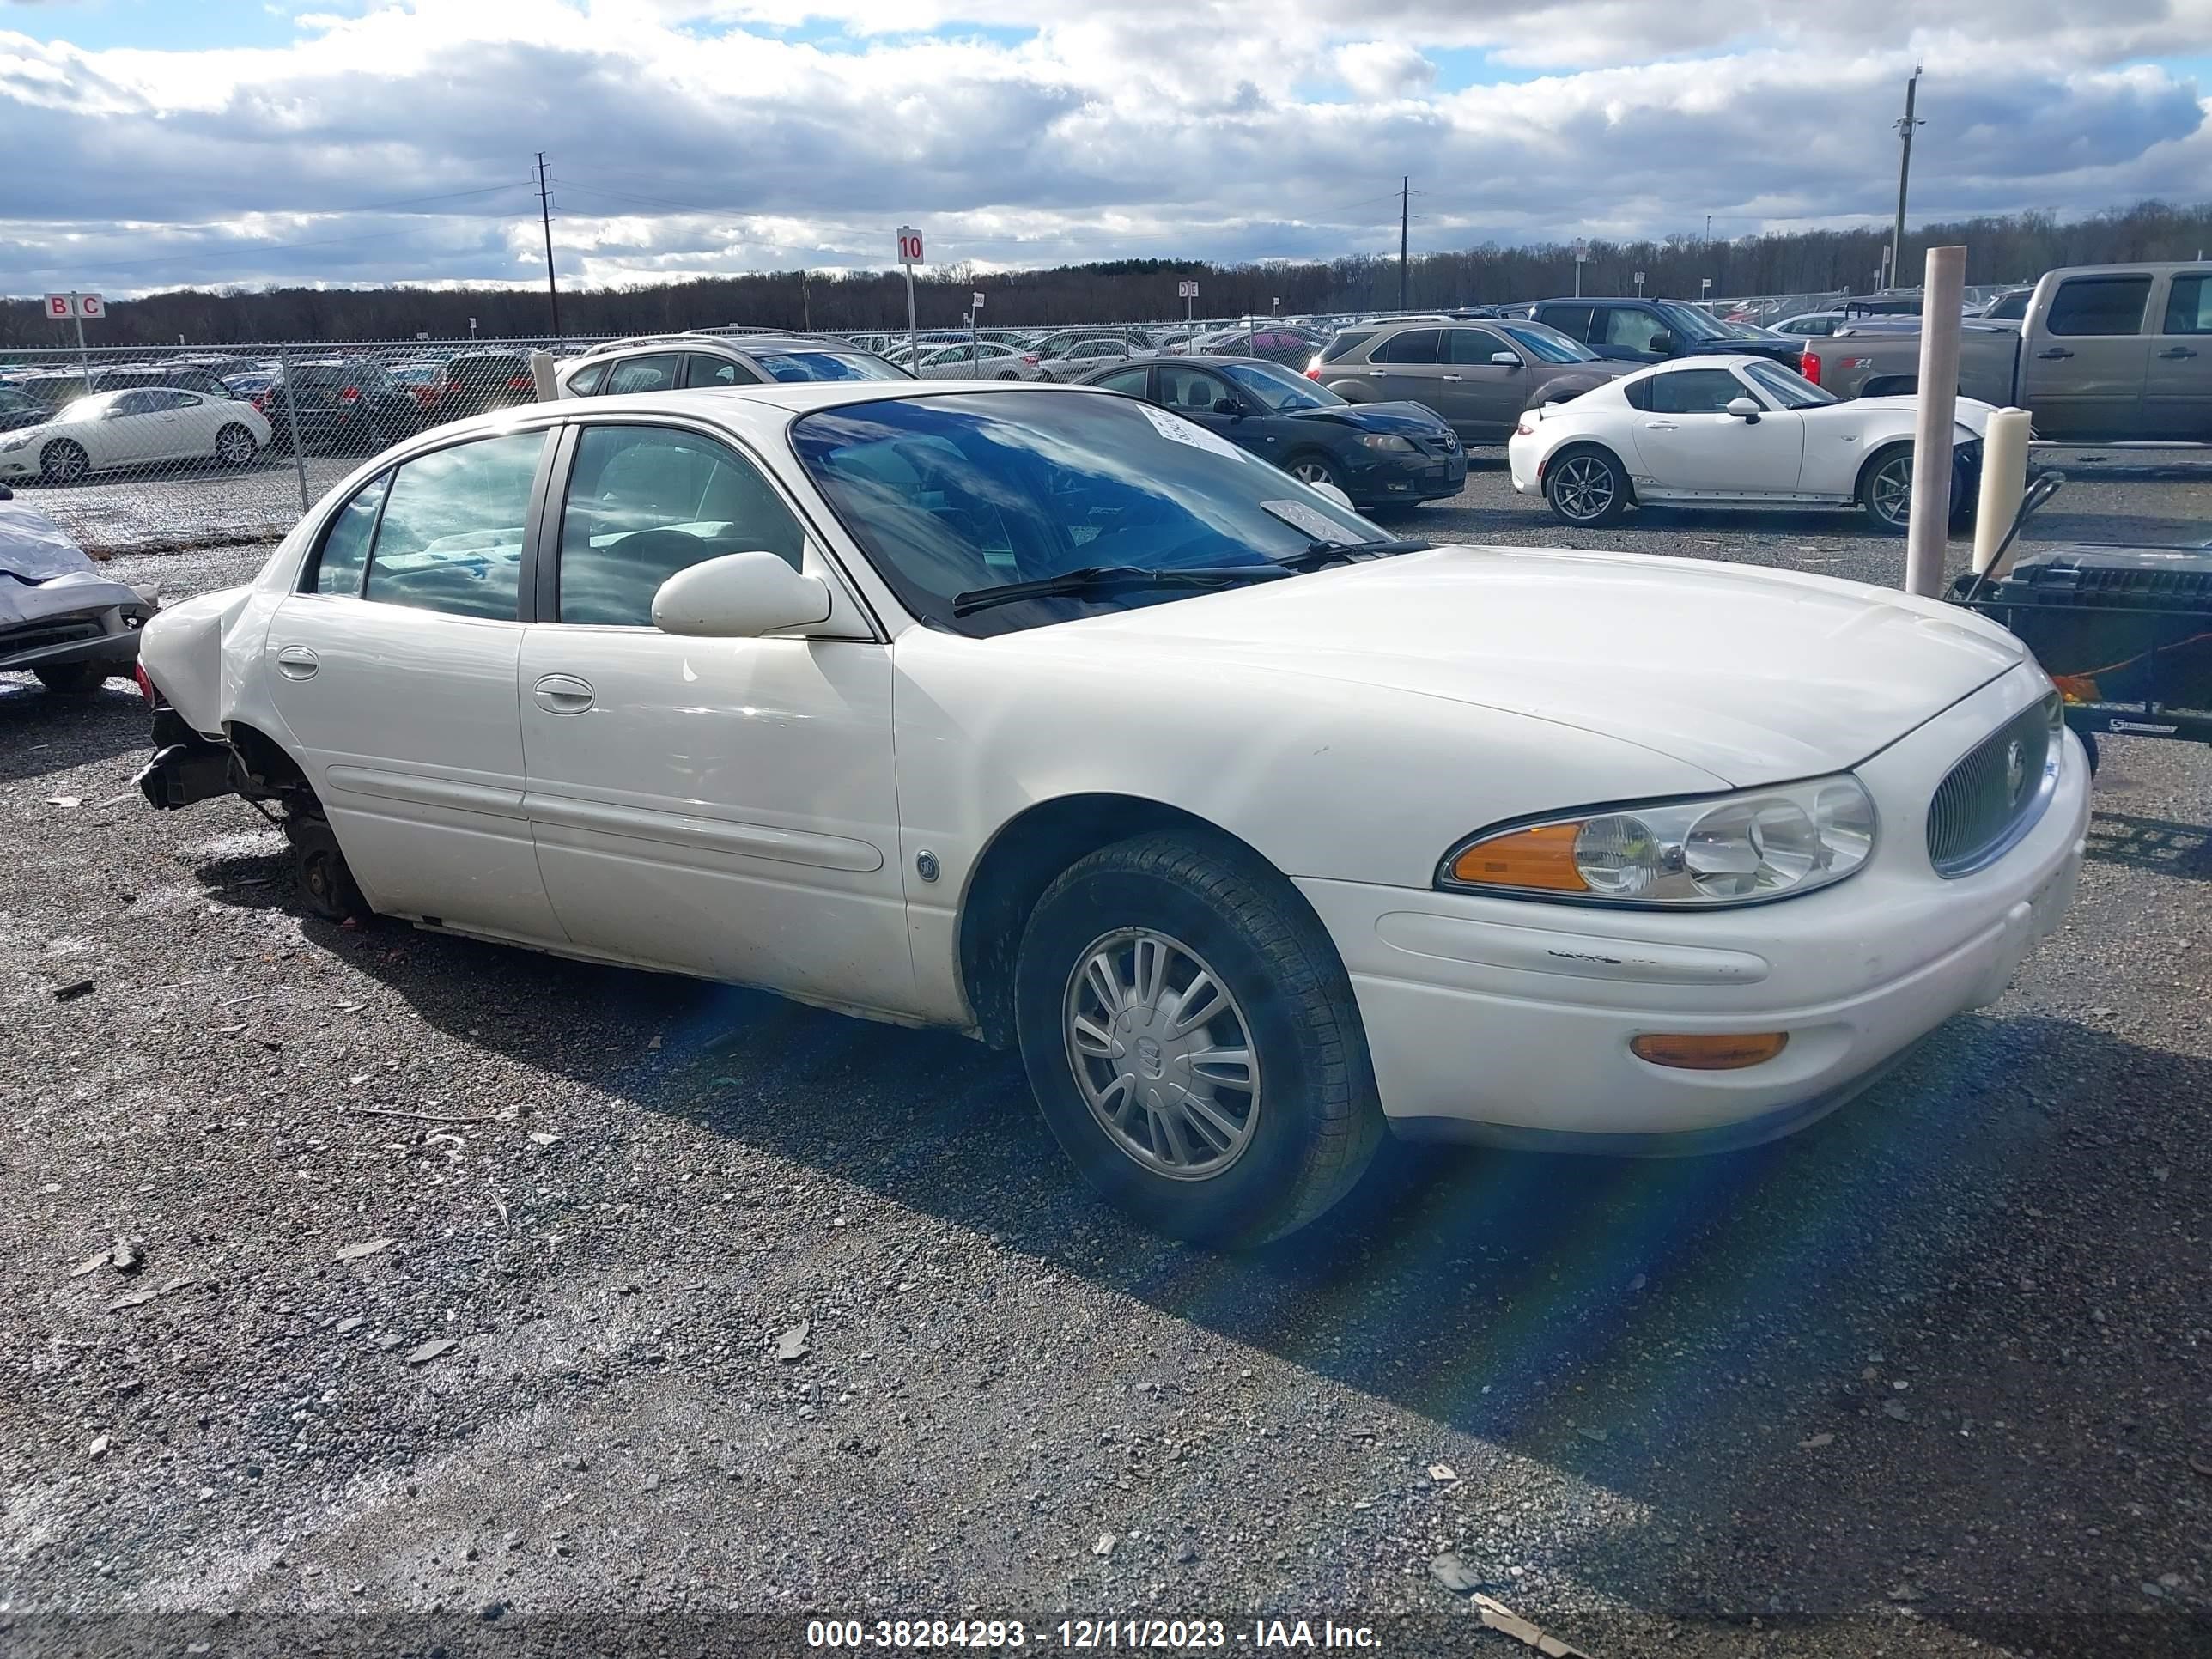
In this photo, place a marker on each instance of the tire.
(2089, 749)
(1010, 377)
(1315, 468)
(1286, 1141)
(1886, 491)
(234, 447)
(73, 679)
(1586, 487)
(326, 884)
(63, 462)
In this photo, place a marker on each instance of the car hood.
(1753, 676)
(1375, 417)
(33, 548)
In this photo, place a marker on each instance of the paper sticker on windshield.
(1189, 432)
(1314, 522)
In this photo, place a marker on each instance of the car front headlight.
(22, 442)
(1386, 441)
(1739, 849)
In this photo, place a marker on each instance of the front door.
(394, 671)
(1484, 399)
(1684, 439)
(2085, 369)
(2177, 389)
(724, 807)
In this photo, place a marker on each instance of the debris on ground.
(76, 988)
(367, 1247)
(1105, 1544)
(431, 1350)
(793, 1344)
(1814, 1442)
(1501, 1618)
(139, 1298)
(1454, 1574)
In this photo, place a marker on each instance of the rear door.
(1405, 368)
(394, 671)
(2178, 384)
(2084, 370)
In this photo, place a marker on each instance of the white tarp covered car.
(60, 618)
(1734, 430)
(1047, 715)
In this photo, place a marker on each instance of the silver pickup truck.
(2105, 353)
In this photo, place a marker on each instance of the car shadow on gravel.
(1940, 1349)
(43, 731)
(2181, 850)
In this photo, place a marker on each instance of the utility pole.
(1904, 175)
(545, 218)
(1404, 202)
(1709, 226)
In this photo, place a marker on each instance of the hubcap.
(236, 447)
(1893, 491)
(1163, 1053)
(1584, 487)
(1310, 472)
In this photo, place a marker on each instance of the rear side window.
(1131, 380)
(644, 502)
(584, 382)
(2099, 304)
(1350, 340)
(451, 539)
(344, 552)
(656, 374)
(1415, 345)
(2189, 304)
(1568, 319)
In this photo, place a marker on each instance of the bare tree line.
(2002, 248)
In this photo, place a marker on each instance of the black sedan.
(1376, 453)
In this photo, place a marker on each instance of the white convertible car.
(1047, 715)
(133, 428)
(1730, 431)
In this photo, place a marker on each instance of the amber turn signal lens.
(1541, 858)
(1710, 1054)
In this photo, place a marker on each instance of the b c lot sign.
(62, 306)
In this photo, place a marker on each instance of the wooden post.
(1941, 294)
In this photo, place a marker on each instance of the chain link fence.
(137, 449)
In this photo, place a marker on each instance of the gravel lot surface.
(676, 1299)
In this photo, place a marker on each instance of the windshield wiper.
(1112, 578)
(1318, 554)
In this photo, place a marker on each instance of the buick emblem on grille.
(2016, 770)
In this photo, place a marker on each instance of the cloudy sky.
(154, 143)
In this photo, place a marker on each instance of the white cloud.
(693, 136)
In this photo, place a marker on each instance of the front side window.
(1687, 322)
(1415, 345)
(1632, 330)
(344, 552)
(654, 374)
(1194, 391)
(644, 502)
(1695, 392)
(135, 403)
(451, 538)
(948, 495)
(2189, 304)
(1473, 345)
(2099, 304)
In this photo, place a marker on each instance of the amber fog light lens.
(1710, 1054)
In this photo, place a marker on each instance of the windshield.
(88, 409)
(1549, 345)
(1277, 387)
(1689, 323)
(823, 366)
(961, 494)
(1787, 388)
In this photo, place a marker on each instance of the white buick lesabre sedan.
(1047, 715)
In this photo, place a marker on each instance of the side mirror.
(1745, 409)
(739, 596)
(6, 494)
(1227, 406)
(1662, 342)
(1504, 360)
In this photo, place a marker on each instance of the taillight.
(145, 685)
(521, 383)
(1524, 430)
(1810, 367)
(1030, 358)
(260, 400)
(1314, 373)
(350, 395)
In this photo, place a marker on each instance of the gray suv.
(1478, 376)
(662, 363)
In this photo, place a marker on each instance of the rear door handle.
(562, 694)
(296, 662)
(2054, 351)
(2177, 351)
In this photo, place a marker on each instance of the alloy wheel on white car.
(1887, 491)
(1586, 487)
(234, 445)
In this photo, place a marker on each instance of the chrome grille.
(1994, 796)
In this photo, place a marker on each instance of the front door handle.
(562, 694)
(1663, 426)
(2054, 352)
(2177, 351)
(296, 662)
(1454, 377)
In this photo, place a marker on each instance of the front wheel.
(1317, 470)
(1192, 1039)
(1886, 492)
(234, 447)
(63, 461)
(1586, 487)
